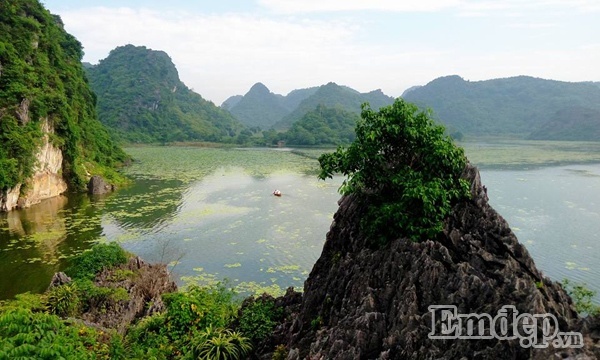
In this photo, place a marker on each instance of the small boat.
(277, 193)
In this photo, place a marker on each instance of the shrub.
(405, 167)
(100, 297)
(258, 319)
(582, 298)
(63, 300)
(280, 352)
(89, 263)
(217, 344)
(28, 335)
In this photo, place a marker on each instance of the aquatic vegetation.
(518, 153)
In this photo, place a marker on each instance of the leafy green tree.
(404, 167)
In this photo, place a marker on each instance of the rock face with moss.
(49, 135)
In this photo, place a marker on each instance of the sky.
(221, 48)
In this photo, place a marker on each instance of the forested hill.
(142, 99)
(45, 97)
(260, 107)
(263, 108)
(335, 96)
(323, 126)
(512, 106)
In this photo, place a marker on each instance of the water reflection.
(35, 242)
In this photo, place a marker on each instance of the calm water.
(211, 215)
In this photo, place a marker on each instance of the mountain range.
(525, 107)
(141, 99)
(259, 107)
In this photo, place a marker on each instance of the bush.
(63, 300)
(197, 308)
(217, 344)
(582, 298)
(406, 169)
(258, 319)
(25, 334)
(99, 297)
(100, 256)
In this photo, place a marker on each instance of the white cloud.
(215, 53)
(305, 6)
(224, 54)
(465, 8)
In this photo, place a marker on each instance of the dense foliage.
(89, 263)
(41, 76)
(512, 106)
(323, 126)
(197, 323)
(405, 167)
(258, 319)
(141, 99)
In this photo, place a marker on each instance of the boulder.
(58, 279)
(98, 186)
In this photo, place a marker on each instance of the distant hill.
(323, 126)
(142, 99)
(575, 123)
(260, 107)
(231, 102)
(335, 96)
(511, 106)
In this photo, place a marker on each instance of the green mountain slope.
(42, 81)
(335, 96)
(574, 123)
(323, 126)
(259, 107)
(511, 106)
(141, 99)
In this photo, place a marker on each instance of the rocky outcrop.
(9, 198)
(144, 291)
(365, 303)
(46, 181)
(98, 186)
(144, 285)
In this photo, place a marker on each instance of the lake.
(211, 215)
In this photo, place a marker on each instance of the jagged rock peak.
(365, 303)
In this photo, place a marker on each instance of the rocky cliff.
(46, 181)
(365, 303)
(50, 134)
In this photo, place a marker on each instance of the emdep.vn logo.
(532, 330)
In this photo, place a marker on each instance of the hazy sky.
(221, 48)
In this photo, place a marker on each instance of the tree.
(404, 167)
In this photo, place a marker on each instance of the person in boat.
(277, 193)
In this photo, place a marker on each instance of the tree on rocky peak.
(406, 168)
